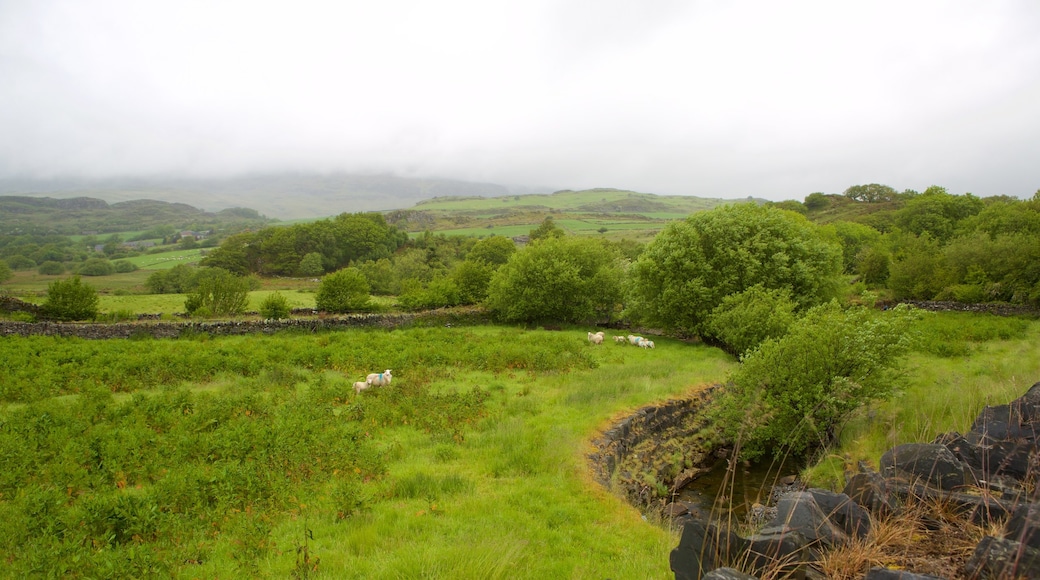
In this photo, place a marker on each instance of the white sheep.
(361, 386)
(596, 338)
(646, 343)
(634, 340)
(379, 379)
(619, 339)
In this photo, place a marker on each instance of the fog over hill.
(281, 196)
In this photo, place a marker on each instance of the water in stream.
(744, 486)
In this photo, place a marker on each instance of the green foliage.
(311, 265)
(918, 268)
(870, 193)
(20, 262)
(70, 299)
(124, 266)
(51, 268)
(872, 265)
(217, 293)
(494, 250)
(472, 277)
(343, 291)
(692, 265)
(382, 279)
(275, 306)
(558, 279)
(854, 238)
(746, 319)
(937, 213)
(439, 293)
(793, 393)
(5, 272)
(177, 280)
(96, 267)
(816, 201)
(547, 229)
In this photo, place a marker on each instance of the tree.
(816, 201)
(97, 267)
(692, 265)
(937, 213)
(494, 250)
(51, 268)
(471, 278)
(558, 279)
(70, 299)
(5, 272)
(871, 193)
(311, 265)
(547, 229)
(218, 293)
(793, 393)
(854, 237)
(124, 266)
(176, 280)
(343, 291)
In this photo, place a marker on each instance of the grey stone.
(702, 548)
(800, 512)
(781, 549)
(870, 490)
(997, 559)
(840, 509)
(930, 463)
(1024, 525)
(886, 574)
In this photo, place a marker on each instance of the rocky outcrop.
(990, 475)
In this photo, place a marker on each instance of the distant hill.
(83, 215)
(282, 196)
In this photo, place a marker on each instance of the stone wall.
(443, 317)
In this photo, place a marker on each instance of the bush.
(51, 268)
(311, 265)
(557, 279)
(97, 267)
(124, 266)
(70, 299)
(176, 280)
(343, 291)
(745, 320)
(5, 272)
(218, 293)
(439, 293)
(19, 262)
(793, 393)
(275, 306)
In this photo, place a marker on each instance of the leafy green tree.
(746, 319)
(124, 266)
(176, 280)
(816, 201)
(494, 250)
(918, 268)
(51, 268)
(692, 265)
(343, 291)
(793, 393)
(547, 229)
(854, 237)
(20, 262)
(238, 254)
(937, 213)
(872, 265)
(558, 279)
(5, 272)
(790, 205)
(471, 278)
(871, 193)
(382, 280)
(97, 267)
(439, 293)
(218, 293)
(311, 265)
(70, 299)
(275, 306)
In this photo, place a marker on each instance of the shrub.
(440, 292)
(275, 306)
(70, 299)
(19, 262)
(51, 268)
(179, 279)
(793, 393)
(343, 291)
(124, 266)
(311, 265)
(218, 293)
(745, 320)
(97, 267)
(5, 272)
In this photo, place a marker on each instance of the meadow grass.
(471, 465)
(166, 260)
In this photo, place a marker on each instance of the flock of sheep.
(597, 338)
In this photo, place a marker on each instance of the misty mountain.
(283, 196)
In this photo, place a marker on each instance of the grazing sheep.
(361, 386)
(646, 343)
(596, 338)
(634, 340)
(379, 379)
(619, 339)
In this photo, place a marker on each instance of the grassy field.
(587, 200)
(471, 465)
(166, 260)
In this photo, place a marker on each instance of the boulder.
(1024, 525)
(702, 548)
(799, 512)
(929, 463)
(998, 558)
(870, 490)
(887, 574)
(840, 509)
(727, 574)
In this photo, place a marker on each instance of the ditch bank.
(442, 317)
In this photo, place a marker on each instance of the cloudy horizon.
(773, 100)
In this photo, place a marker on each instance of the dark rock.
(727, 574)
(997, 559)
(870, 490)
(886, 574)
(676, 509)
(928, 462)
(799, 512)
(703, 547)
(781, 550)
(1024, 525)
(852, 519)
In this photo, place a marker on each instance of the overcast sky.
(717, 99)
